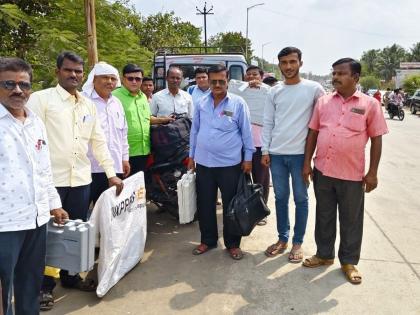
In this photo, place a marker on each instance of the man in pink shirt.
(341, 124)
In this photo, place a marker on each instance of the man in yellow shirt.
(71, 123)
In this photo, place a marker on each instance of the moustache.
(20, 95)
(335, 81)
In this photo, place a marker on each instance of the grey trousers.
(349, 197)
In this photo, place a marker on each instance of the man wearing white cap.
(101, 81)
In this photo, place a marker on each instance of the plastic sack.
(246, 208)
(122, 226)
(187, 198)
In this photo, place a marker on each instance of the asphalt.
(170, 280)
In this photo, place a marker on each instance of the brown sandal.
(201, 249)
(236, 253)
(316, 261)
(352, 274)
(275, 249)
(296, 256)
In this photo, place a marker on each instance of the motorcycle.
(395, 110)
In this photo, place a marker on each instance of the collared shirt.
(27, 192)
(344, 128)
(197, 94)
(220, 135)
(111, 115)
(137, 114)
(164, 103)
(72, 124)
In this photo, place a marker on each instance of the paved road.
(172, 281)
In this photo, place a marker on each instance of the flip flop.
(296, 256)
(46, 301)
(352, 274)
(276, 249)
(201, 249)
(262, 222)
(236, 253)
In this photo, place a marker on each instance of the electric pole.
(205, 12)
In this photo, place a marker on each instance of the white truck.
(164, 58)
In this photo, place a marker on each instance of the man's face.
(218, 83)
(104, 84)
(132, 81)
(147, 87)
(14, 98)
(174, 79)
(202, 80)
(252, 75)
(342, 78)
(289, 65)
(70, 75)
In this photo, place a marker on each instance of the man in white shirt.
(285, 127)
(27, 193)
(172, 100)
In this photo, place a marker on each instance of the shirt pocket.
(354, 122)
(86, 128)
(226, 123)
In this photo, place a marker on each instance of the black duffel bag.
(247, 208)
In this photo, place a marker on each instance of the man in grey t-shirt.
(286, 117)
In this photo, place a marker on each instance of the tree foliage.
(411, 84)
(370, 82)
(231, 42)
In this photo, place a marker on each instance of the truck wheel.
(413, 109)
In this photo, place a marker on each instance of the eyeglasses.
(215, 82)
(131, 79)
(11, 85)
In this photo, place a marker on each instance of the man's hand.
(115, 181)
(254, 84)
(191, 164)
(307, 173)
(60, 215)
(246, 167)
(126, 168)
(265, 160)
(370, 182)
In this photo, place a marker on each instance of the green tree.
(370, 82)
(167, 30)
(369, 61)
(411, 84)
(389, 60)
(231, 42)
(415, 52)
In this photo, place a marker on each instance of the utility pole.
(92, 48)
(205, 12)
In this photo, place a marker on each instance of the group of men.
(61, 148)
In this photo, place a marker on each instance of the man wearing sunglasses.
(137, 112)
(221, 147)
(27, 192)
(72, 125)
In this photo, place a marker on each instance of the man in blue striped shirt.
(220, 148)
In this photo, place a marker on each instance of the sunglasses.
(215, 82)
(131, 79)
(11, 85)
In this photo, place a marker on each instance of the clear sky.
(325, 30)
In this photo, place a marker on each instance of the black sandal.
(46, 301)
(87, 285)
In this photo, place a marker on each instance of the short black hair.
(131, 67)
(355, 66)
(255, 68)
(290, 50)
(147, 79)
(172, 68)
(70, 56)
(218, 69)
(200, 70)
(270, 80)
(15, 64)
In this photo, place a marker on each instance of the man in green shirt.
(137, 113)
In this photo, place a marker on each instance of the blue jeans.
(282, 167)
